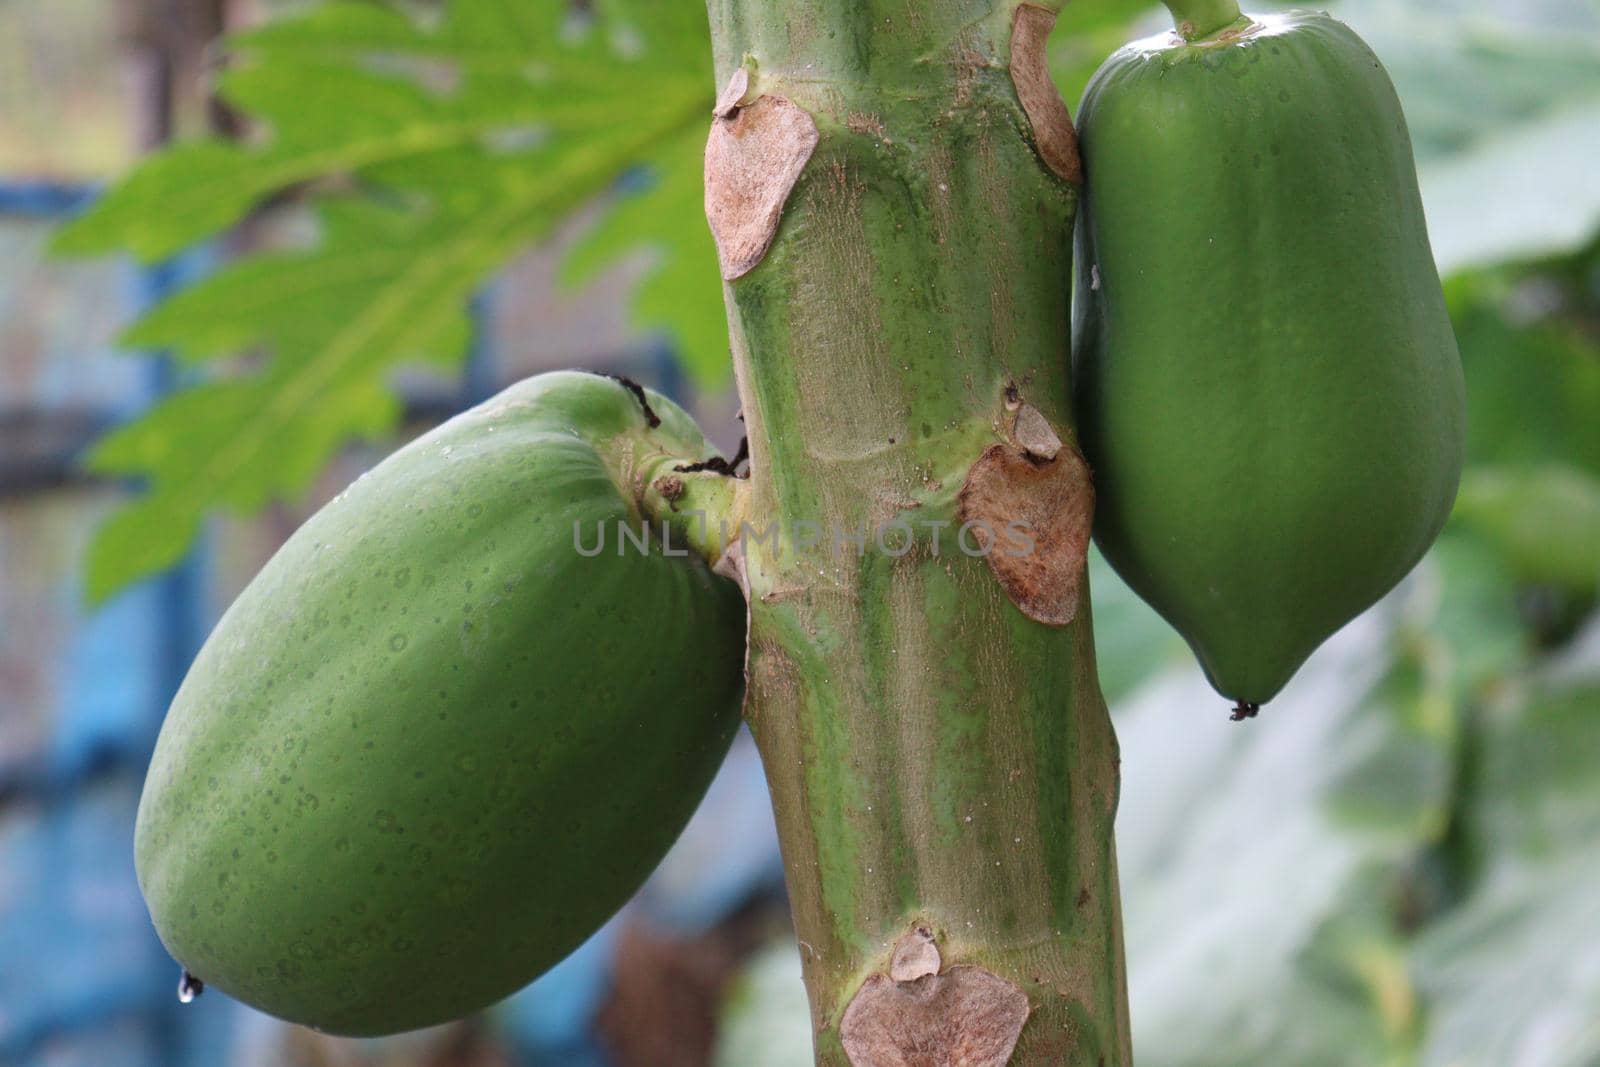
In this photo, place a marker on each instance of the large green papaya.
(437, 742)
(1268, 387)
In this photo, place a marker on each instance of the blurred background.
(1395, 866)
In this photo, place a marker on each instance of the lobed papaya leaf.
(147, 536)
(434, 153)
(682, 294)
(153, 532)
(173, 199)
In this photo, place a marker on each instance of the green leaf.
(1085, 34)
(682, 294)
(1470, 625)
(174, 198)
(434, 155)
(1532, 367)
(295, 302)
(1538, 176)
(1545, 520)
(333, 118)
(147, 536)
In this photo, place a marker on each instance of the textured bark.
(939, 761)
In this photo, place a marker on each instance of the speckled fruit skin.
(431, 747)
(1268, 387)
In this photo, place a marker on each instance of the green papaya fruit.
(433, 745)
(1267, 383)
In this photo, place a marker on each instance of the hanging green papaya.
(440, 739)
(1268, 387)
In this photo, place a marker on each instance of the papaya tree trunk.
(892, 189)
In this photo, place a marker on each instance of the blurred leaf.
(683, 291)
(1256, 856)
(766, 1021)
(1504, 111)
(1513, 976)
(440, 153)
(337, 113)
(1279, 858)
(263, 438)
(1467, 77)
(1465, 613)
(1532, 364)
(1086, 34)
(147, 536)
(298, 304)
(1540, 179)
(1503, 106)
(181, 195)
(1545, 520)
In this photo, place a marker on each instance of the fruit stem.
(702, 508)
(1195, 19)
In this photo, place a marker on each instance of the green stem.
(679, 488)
(1201, 18)
(937, 759)
(703, 509)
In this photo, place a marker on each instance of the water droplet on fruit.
(189, 987)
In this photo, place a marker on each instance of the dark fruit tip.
(1244, 710)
